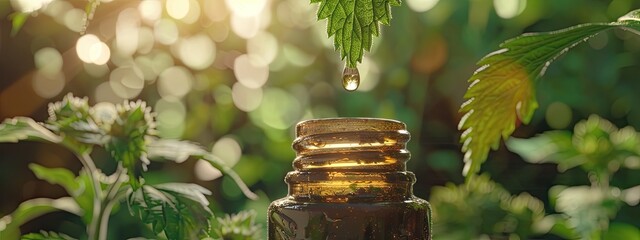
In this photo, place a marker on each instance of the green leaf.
(622, 231)
(559, 226)
(17, 21)
(502, 91)
(596, 145)
(457, 208)
(43, 235)
(24, 128)
(60, 176)
(80, 188)
(179, 210)
(587, 208)
(553, 146)
(353, 23)
(30, 209)
(180, 151)
(240, 226)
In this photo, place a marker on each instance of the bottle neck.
(350, 160)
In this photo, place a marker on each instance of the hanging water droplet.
(350, 79)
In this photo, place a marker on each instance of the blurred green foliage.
(483, 209)
(600, 149)
(416, 72)
(127, 132)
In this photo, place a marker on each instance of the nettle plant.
(127, 132)
(501, 96)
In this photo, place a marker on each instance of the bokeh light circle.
(250, 73)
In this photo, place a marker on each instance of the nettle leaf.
(24, 128)
(179, 151)
(353, 23)
(502, 91)
(43, 235)
(30, 209)
(180, 210)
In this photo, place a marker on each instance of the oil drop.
(350, 79)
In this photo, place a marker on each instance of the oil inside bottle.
(350, 182)
(350, 79)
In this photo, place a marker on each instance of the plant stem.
(111, 198)
(106, 213)
(88, 164)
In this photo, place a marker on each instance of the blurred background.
(236, 76)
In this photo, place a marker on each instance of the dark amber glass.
(350, 182)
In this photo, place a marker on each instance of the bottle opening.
(343, 159)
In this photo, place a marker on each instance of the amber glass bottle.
(350, 182)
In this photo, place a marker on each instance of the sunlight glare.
(150, 10)
(246, 8)
(73, 19)
(509, 8)
(228, 150)
(197, 52)
(263, 48)
(48, 85)
(91, 50)
(244, 98)
(48, 61)
(245, 27)
(127, 29)
(177, 9)
(126, 82)
(250, 73)
(421, 5)
(29, 5)
(175, 82)
(165, 31)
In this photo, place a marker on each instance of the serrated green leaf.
(44, 235)
(179, 151)
(353, 23)
(27, 210)
(502, 91)
(179, 210)
(24, 128)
